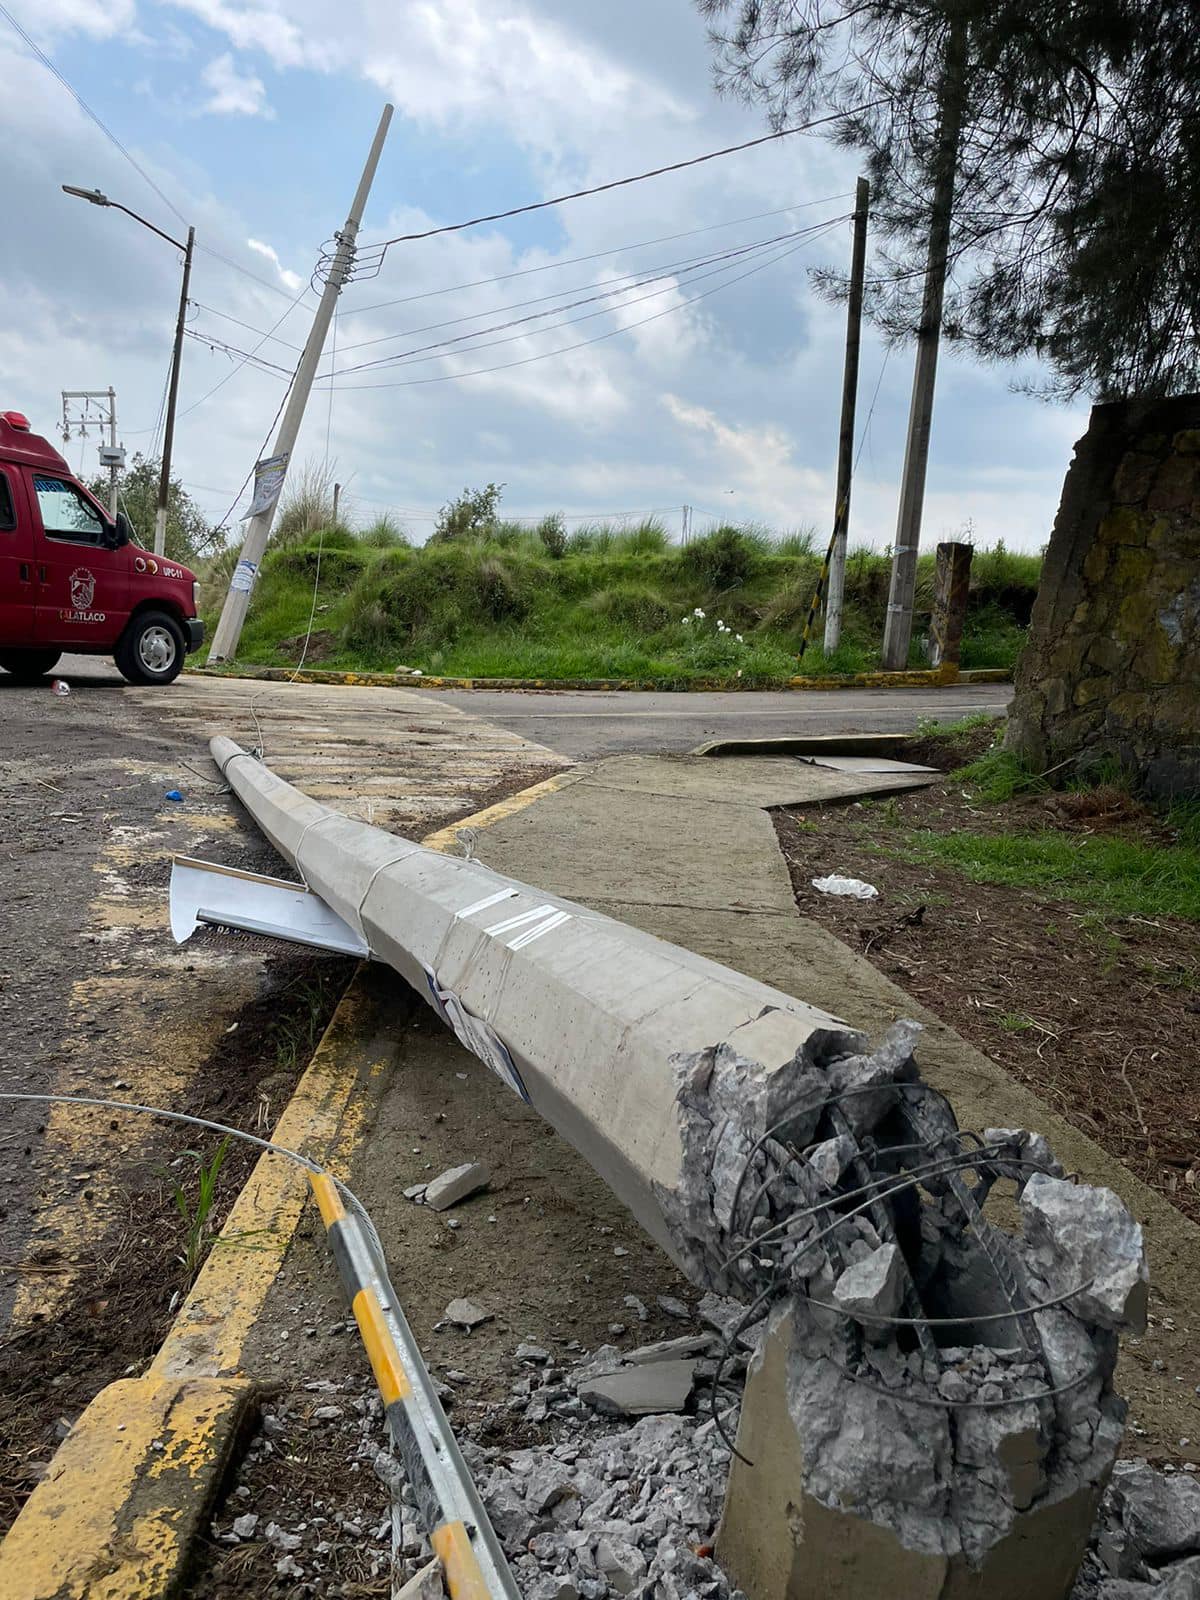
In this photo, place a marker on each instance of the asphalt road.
(592, 723)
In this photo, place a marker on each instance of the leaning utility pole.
(233, 614)
(845, 470)
(898, 627)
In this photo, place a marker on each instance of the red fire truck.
(72, 579)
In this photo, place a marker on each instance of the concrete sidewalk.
(684, 848)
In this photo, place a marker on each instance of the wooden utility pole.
(237, 601)
(337, 495)
(845, 468)
(898, 627)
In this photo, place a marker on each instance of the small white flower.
(697, 612)
(739, 672)
(739, 638)
(686, 620)
(721, 625)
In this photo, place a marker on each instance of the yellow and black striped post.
(473, 1563)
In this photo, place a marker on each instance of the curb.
(939, 678)
(132, 1484)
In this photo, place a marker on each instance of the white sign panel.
(244, 575)
(268, 480)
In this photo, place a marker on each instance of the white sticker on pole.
(244, 575)
(268, 481)
(479, 1037)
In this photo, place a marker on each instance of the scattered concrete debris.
(1146, 1545)
(465, 1314)
(674, 1307)
(453, 1185)
(619, 1511)
(639, 1391)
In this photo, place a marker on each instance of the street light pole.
(164, 476)
(97, 198)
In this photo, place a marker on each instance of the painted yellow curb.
(130, 1485)
(445, 840)
(113, 1518)
(937, 678)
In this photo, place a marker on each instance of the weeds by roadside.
(195, 1212)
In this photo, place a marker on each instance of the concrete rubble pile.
(631, 1511)
(926, 1394)
(1147, 1539)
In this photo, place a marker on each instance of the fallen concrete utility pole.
(933, 1409)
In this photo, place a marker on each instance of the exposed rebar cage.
(945, 1374)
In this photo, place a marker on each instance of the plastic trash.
(853, 888)
(172, 794)
(60, 688)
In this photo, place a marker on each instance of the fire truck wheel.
(151, 649)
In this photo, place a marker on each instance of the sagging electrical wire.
(306, 1162)
(615, 183)
(677, 272)
(581, 344)
(597, 255)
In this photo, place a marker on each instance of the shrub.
(552, 532)
(432, 595)
(723, 559)
(632, 606)
(384, 533)
(647, 538)
(472, 515)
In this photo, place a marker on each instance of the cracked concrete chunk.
(1085, 1235)
(874, 1286)
(691, 1344)
(1160, 1515)
(623, 1564)
(466, 1314)
(455, 1184)
(640, 1391)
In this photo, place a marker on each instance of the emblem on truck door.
(83, 589)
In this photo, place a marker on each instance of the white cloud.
(234, 93)
(290, 280)
(99, 19)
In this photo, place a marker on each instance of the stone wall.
(1112, 667)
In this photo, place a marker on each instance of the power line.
(244, 356)
(612, 287)
(581, 344)
(249, 355)
(597, 255)
(696, 276)
(620, 183)
(238, 323)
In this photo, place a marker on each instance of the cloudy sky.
(712, 376)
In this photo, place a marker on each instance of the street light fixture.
(96, 197)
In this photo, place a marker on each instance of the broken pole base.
(778, 1543)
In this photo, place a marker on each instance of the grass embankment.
(602, 603)
(1113, 853)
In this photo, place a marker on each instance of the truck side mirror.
(122, 532)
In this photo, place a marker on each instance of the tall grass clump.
(724, 559)
(385, 533)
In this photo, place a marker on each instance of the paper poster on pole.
(268, 480)
(244, 575)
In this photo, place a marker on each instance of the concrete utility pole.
(96, 197)
(237, 601)
(337, 495)
(845, 471)
(898, 627)
(164, 474)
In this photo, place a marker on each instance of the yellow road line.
(445, 840)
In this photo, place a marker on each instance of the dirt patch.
(125, 1296)
(321, 644)
(547, 1249)
(1098, 1013)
